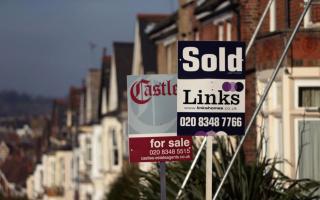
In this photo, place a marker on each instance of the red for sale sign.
(152, 120)
(160, 149)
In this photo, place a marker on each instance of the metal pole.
(274, 74)
(247, 51)
(255, 33)
(163, 181)
(191, 167)
(209, 168)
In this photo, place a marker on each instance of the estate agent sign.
(152, 120)
(211, 88)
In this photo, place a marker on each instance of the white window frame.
(261, 87)
(273, 16)
(307, 22)
(221, 31)
(279, 140)
(296, 138)
(229, 30)
(265, 143)
(303, 83)
(275, 93)
(197, 36)
(114, 147)
(168, 45)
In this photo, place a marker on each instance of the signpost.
(211, 92)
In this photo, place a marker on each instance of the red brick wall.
(187, 21)
(265, 24)
(296, 8)
(281, 14)
(234, 34)
(249, 15)
(267, 55)
(306, 49)
(267, 50)
(208, 31)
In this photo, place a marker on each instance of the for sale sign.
(152, 120)
(211, 88)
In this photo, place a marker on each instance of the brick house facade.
(237, 20)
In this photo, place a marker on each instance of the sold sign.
(211, 88)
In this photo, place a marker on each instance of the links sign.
(211, 88)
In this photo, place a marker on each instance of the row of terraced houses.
(87, 147)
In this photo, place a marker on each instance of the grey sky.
(44, 44)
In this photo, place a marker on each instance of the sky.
(45, 44)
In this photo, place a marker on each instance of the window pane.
(309, 138)
(115, 152)
(309, 97)
(114, 138)
(116, 157)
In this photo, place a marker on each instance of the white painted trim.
(275, 93)
(307, 23)
(136, 61)
(197, 36)
(223, 5)
(202, 15)
(199, 2)
(229, 31)
(104, 103)
(279, 140)
(273, 16)
(221, 32)
(169, 40)
(223, 17)
(167, 29)
(113, 92)
(303, 83)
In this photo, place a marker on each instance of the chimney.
(186, 19)
(104, 51)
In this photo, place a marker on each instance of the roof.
(148, 48)
(166, 22)
(17, 168)
(93, 82)
(211, 6)
(123, 53)
(208, 5)
(74, 98)
(152, 17)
